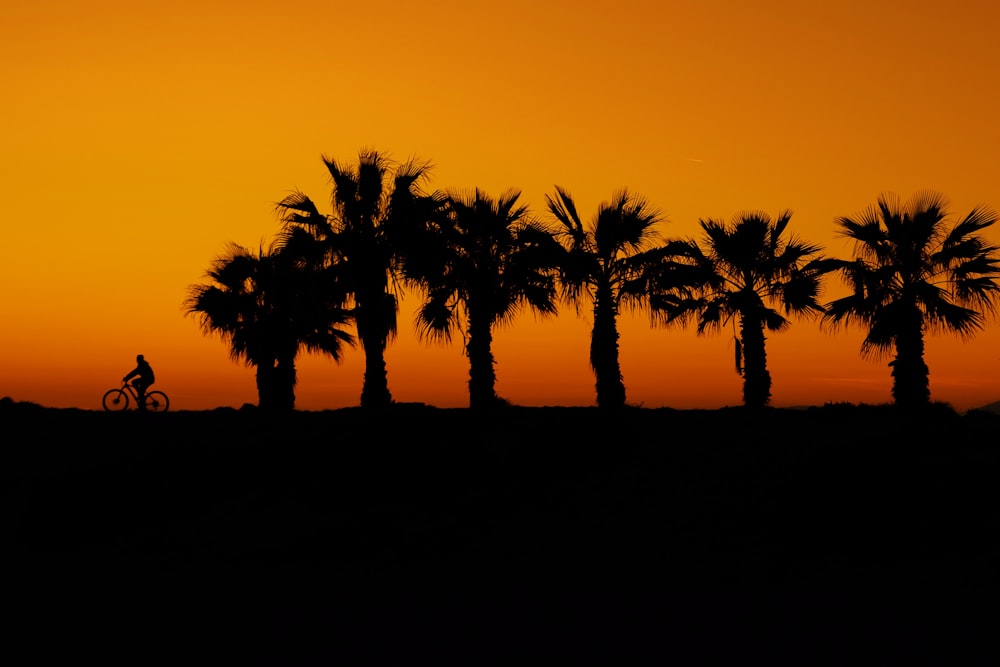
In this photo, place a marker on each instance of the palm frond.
(980, 218)
(948, 317)
(435, 319)
(907, 259)
(774, 321)
(563, 209)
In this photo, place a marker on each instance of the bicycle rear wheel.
(157, 401)
(115, 400)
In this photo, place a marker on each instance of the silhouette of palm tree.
(373, 203)
(267, 306)
(914, 273)
(480, 263)
(601, 259)
(742, 271)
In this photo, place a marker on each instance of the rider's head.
(138, 357)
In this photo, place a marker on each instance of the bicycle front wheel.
(157, 401)
(115, 400)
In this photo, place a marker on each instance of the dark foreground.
(836, 535)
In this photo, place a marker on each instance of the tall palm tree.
(601, 259)
(479, 266)
(742, 272)
(914, 273)
(373, 202)
(267, 306)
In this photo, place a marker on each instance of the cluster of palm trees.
(479, 260)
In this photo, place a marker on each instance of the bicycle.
(118, 400)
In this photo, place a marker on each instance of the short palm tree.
(480, 264)
(601, 259)
(915, 273)
(268, 306)
(373, 204)
(747, 272)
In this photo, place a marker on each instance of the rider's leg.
(140, 388)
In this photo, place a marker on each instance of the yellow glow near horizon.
(140, 139)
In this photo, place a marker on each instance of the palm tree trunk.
(264, 382)
(756, 378)
(267, 386)
(910, 375)
(604, 351)
(276, 385)
(482, 376)
(373, 333)
(375, 390)
(285, 384)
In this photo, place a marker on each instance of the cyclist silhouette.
(143, 374)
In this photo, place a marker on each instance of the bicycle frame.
(132, 391)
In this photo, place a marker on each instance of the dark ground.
(840, 535)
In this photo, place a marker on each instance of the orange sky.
(139, 138)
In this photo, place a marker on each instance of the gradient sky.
(139, 138)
